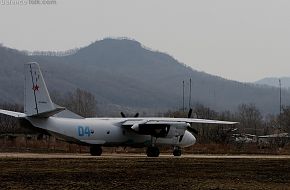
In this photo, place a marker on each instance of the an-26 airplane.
(43, 115)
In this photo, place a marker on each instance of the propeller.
(189, 113)
(191, 130)
(124, 116)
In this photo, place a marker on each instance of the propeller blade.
(136, 115)
(189, 113)
(192, 130)
(123, 115)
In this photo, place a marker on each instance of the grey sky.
(242, 40)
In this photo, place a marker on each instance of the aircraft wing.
(201, 121)
(167, 127)
(12, 113)
(132, 121)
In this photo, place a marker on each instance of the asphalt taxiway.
(85, 156)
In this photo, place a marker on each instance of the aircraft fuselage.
(104, 132)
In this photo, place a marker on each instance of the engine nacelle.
(163, 130)
(177, 129)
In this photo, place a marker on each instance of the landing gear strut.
(177, 151)
(96, 150)
(152, 151)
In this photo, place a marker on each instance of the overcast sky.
(243, 40)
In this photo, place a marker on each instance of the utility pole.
(183, 96)
(189, 104)
(280, 103)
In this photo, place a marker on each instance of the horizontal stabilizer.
(67, 114)
(12, 113)
(48, 113)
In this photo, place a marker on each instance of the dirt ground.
(144, 173)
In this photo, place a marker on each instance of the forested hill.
(122, 74)
(274, 81)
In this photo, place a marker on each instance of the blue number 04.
(84, 131)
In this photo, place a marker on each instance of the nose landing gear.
(177, 151)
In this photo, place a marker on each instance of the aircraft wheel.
(177, 152)
(96, 150)
(152, 152)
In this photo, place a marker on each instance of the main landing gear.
(152, 151)
(177, 151)
(96, 150)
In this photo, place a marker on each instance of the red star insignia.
(35, 87)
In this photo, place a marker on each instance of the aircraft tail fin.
(37, 102)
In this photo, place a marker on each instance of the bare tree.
(203, 112)
(284, 119)
(250, 118)
(80, 102)
(9, 124)
(271, 123)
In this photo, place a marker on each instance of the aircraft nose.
(189, 139)
(193, 139)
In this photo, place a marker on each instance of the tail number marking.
(84, 131)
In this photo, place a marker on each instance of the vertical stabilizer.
(36, 97)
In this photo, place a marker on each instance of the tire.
(177, 152)
(96, 150)
(152, 152)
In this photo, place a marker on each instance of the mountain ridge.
(274, 81)
(121, 73)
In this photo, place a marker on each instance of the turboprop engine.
(155, 129)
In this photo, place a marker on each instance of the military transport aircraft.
(41, 114)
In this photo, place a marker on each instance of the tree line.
(79, 101)
(250, 119)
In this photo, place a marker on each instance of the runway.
(132, 156)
